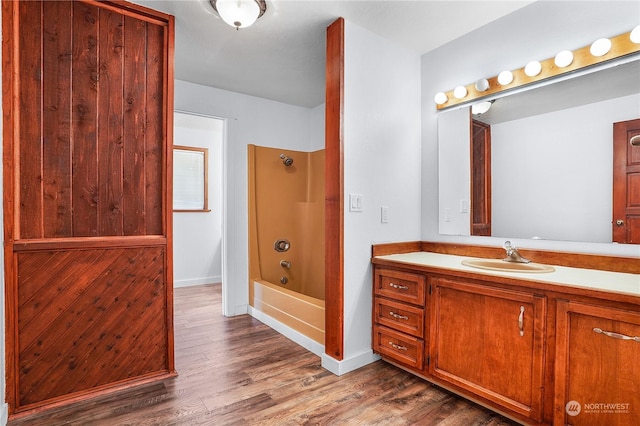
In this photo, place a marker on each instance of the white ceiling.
(281, 57)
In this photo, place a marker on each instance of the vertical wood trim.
(334, 200)
(167, 172)
(9, 129)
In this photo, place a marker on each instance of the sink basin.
(501, 265)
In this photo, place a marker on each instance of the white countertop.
(576, 277)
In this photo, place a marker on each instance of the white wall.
(537, 31)
(381, 162)
(197, 237)
(249, 120)
(564, 196)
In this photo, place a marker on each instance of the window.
(190, 179)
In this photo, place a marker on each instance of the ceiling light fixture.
(239, 13)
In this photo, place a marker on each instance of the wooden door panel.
(626, 183)
(83, 317)
(477, 344)
(94, 166)
(597, 376)
(87, 100)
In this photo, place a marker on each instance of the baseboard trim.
(297, 337)
(346, 365)
(196, 281)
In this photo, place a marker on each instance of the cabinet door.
(597, 367)
(490, 342)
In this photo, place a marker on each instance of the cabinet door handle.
(398, 347)
(399, 287)
(396, 316)
(616, 335)
(521, 321)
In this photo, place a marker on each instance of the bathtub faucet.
(285, 264)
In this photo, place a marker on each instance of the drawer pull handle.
(521, 321)
(616, 335)
(396, 316)
(398, 347)
(399, 287)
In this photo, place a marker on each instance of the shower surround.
(286, 237)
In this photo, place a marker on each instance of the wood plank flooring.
(238, 371)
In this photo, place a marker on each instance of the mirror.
(551, 158)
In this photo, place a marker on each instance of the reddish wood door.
(489, 341)
(626, 182)
(597, 374)
(87, 95)
(480, 178)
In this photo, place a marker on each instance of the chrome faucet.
(512, 254)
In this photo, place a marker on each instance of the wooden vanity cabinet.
(597, 368)
(399, 312)
(489, 341)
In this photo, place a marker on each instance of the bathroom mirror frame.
(628, 55)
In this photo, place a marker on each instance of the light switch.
(355, 202)
(447, 215)
(384, 214)
(464, 206)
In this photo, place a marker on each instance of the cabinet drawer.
(400, 316)
(400, 347)
(403, 286)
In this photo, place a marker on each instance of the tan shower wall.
(287, 203)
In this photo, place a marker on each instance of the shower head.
(287, 161)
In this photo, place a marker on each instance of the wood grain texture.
(88, 271)
(238, 371)
(334, 192)
(88, 318)
(92, 100)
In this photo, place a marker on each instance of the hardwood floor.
(238, 371)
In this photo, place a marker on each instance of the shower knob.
(281, 245)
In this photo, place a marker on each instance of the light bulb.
(564, 59)
(533, 68)
(440, 98)
(635, 35)
(482, 85)
(505, 77)
(600, 47)
(460, 92)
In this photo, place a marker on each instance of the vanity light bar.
(621, 45)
